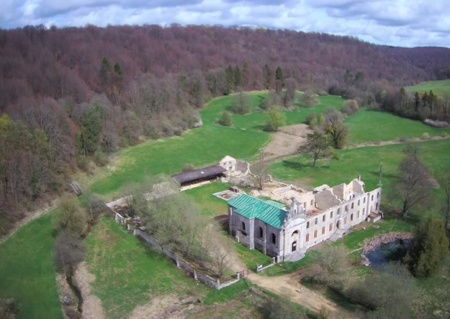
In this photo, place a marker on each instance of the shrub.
(225, 119)
(350, 107)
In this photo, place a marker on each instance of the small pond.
(385, 253)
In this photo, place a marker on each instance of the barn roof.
(251, 207)
(206, 172)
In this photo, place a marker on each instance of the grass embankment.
(440, 88)
(27, 273)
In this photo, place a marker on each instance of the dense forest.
(71, 96)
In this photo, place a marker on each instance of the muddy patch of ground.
(92, 305)
(165, 307)
(287, 141)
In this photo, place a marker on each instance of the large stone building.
(287, 231)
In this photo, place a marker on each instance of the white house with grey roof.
(288, 231)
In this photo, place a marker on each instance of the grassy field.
(374, 126)
(27, 273)
(257, 119)
(202, 146)
(129, 274)
(349, 163)
(208, 204)
(440, 88)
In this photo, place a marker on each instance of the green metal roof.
(251, 207)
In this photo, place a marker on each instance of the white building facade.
(310, 218)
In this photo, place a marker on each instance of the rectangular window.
(323, 230)
(315, 221)
(307, 237)
(353, 204)
(359, 202)
(372, 197)
(357, 216)
(331, 227)
(331, 214)
(307, 225)
(315, 234)
(323, 217)
(364, 200)
(274, 238)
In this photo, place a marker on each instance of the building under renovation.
(286, 230)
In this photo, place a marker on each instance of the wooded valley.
(71, 96)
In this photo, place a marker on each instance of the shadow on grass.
(295, 165)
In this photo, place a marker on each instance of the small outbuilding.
(209, 173)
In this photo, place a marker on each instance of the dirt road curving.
(288, 286)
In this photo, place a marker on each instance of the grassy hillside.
(440, 88)
(27, 273)
(373, 126)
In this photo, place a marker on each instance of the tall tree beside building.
(429, 248)
(414, 185)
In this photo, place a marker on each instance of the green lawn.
(440, 88)
(374, 126)
(128, 273)
(27, 273)
(208, 204)
(251, 258)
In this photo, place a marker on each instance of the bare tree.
(259, 170)
(335, 128)
(316, 144)
(414, 184)
(309, 99)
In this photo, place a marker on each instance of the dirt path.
(286, 141)
(92, 305)
(288, 286)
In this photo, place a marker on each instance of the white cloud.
(393, 22)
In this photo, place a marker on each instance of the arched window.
(243, 226)
(274, 238)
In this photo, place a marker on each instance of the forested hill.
(434, 60)
(71, 95)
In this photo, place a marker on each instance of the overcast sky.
(394, 22)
